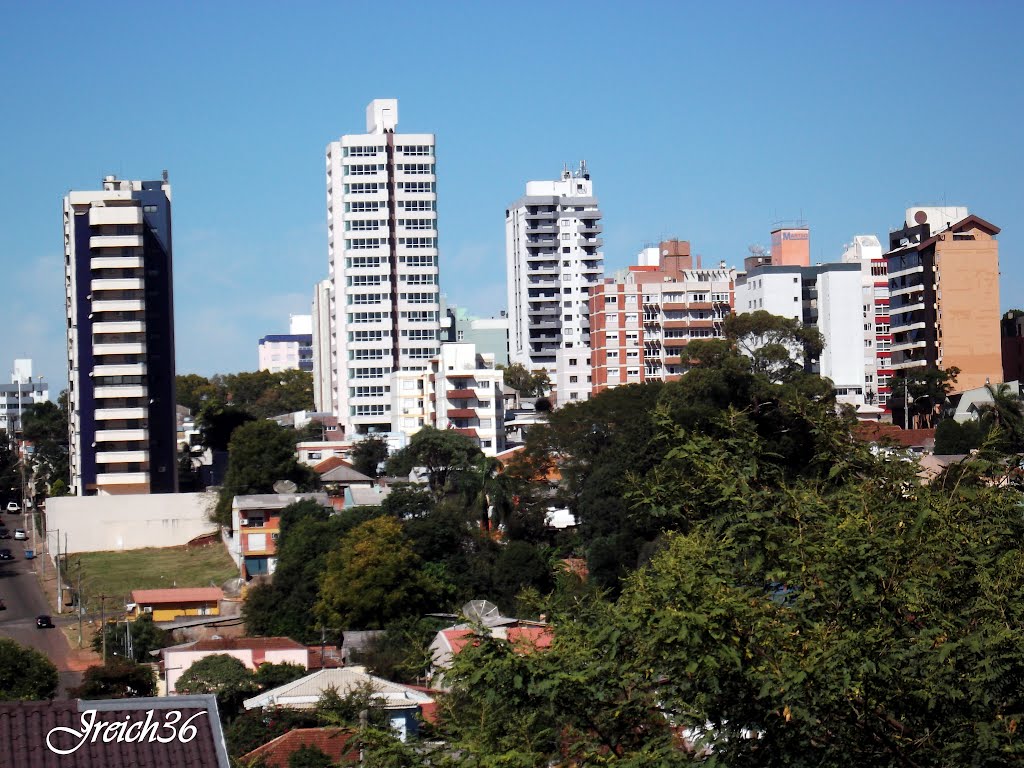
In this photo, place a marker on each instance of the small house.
(170, 604)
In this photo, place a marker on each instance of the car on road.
(12, 506)
(20, 535)
(44, 622)
(5, 554)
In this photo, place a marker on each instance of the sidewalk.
(77, 659)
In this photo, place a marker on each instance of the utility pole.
(60, 591)
(80, 603)
(906, 404)
(103, 626)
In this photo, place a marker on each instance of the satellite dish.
(483, 611)
(285, 486)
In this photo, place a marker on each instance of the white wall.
(841, 322)
(114, 523)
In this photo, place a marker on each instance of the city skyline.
(693, 126)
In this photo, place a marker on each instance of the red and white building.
(867, 251)
(641, 323)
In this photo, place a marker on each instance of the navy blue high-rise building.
(120, 324)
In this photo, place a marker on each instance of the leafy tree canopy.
(368, 454)
(443, 453)
(117, 679)
(25, 674)
(224, 676)
(527, 383)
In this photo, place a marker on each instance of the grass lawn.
(116, 574)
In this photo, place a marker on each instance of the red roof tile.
(246, 644)
(275, 754)
(457, 638)
(25, 725)
(331, 462)
(527, 639)
(874, 432)
(177, 595)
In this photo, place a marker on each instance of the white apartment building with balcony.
(553, 257)
(120, 338)
(382, 247)
(461, 390)
(23, 391)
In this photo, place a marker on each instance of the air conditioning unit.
(243, 522)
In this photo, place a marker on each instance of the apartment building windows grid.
(355, 205)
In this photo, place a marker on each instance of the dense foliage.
(25, 674)
(117, 679)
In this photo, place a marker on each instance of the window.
(363, 170)
(367, 298)
(608, 300)
(417, 205)
(415, 149)
(364, 206)
(419, 298)
(574, 395)
(365, 279)
(418, 242)
(566, 249)
(567, 290)
(567, 317)
(572, 361)
(358, 243)
(416, 187)
(417, 260)
(574, 379)
(363, 188)
(375, 409)
(367, 317)
(416, 223)
(566, 235)
(361, 151)
(419, 279)
(376, 391)
(421, 168)
(363, 262)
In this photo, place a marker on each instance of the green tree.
(194, 391)
(260, 454)
(269, 675)
(117, 679)
(309, 756)
(777, 347)
(224, 676)
(1006, 411)
(526, 383)
(254, 728)
(218, 422)
(442, 453)
(45, 425)
(952, 437)
(373, 577)
(408, 500)
(145, 637)
(926, 390)
(25, 674)
(369, 454)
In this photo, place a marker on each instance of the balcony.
(118, 284)
(120, 435)
(541, 242)
(125, 348)
(116, 414)
(118, 305)
(121, 390)
(123, 478)
(541, 228)
(462, 413)
(110, 215)
(129, 369)
(115, 241)
(116, 262)
(461, 394)
(121, 457)
(122, 326)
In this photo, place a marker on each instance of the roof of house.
(177, 595)
(276, 500)
(304, 692)
(344, 473)
(246, 644)
(369, 496)
(328, 464)
(530, 638)
(873, 432)
(28, 737)
(332, 741)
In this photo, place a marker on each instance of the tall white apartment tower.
(553, 257)
(118, 286)
(382, 245)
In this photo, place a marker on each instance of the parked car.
(3, 605)
(12, 506)
(20, 535)
(5, 554)
(44, 622)
(4, 533)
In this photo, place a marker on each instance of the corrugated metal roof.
(177, 595)
(304, 692)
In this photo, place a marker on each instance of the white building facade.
(867, 251)
(120, 338)
(553, 257)
(23, 391)
(322, 341)
(462, 391)
(382, 246)
(827, 297)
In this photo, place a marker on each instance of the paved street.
(21, 592)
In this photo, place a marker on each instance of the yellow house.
(170, 604)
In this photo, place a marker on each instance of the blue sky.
(704, 121)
